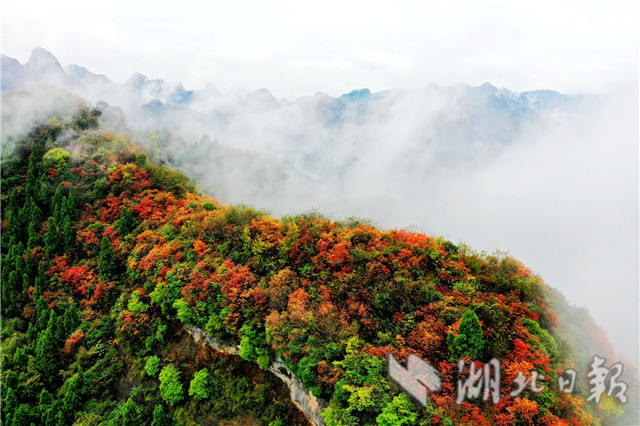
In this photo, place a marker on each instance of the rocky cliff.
(311, 406)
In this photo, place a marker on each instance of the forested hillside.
(106, 255)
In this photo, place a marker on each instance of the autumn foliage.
(332, 301)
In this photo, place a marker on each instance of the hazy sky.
(296, 48)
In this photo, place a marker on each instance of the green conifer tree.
(127, 221)
(56, 202)
(68, 236)
(71, 318)
(52, 243)
(469, 341)
(45, 347)
(72, 400)
(108, 263)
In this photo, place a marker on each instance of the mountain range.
(299, 154)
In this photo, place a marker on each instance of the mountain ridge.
(107, 255)
(42, 61)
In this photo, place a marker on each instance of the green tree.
(22, 416)
(170, 386)
(159, 417)
(68, 237)
(56, 202)
(45, 398)
(131, 415)
(71, 319)
(199, 387)
(10, 403)
(57, 160)
(108, 263)
(546, 340)
(72, 400)
(400, 411)
(100, 188)
(71, 204)
(35, 223)
(10, 292)
(52, 241)
(254, 346)
(469, 340)
(152, 366)
(43, 313)
(20, 359)
(46, 348)
(127, 221)
(34, 172)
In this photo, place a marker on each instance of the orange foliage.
(524, 410)
(73, 340)
(199, 247)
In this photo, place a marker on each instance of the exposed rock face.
(311, 406)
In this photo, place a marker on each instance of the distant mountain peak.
(83, 74)
(137, 80)
(42, 60)
(356, 95)
(487, 86)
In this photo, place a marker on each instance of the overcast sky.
(295, 48)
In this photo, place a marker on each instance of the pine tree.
(72, 203)
(52, 239)
(44, 405)
(127, 221)
(32, 335)
(56, 203)
(10, 293)
(17, 256)
(42, 313)
(26, 282)
(34, 172)
(469, 341)
(42, 280)
(66, 210)
(71, 319)
(45, 398)
(72, 400)
(108, 263)
(10, 403)
(48, 418)
(31, 265)
(35, 223)
(22, 416)
(68, 236)
(20, 359)
(46, 348)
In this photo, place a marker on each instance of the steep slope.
(106, 256)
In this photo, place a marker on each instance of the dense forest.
(107, 254)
